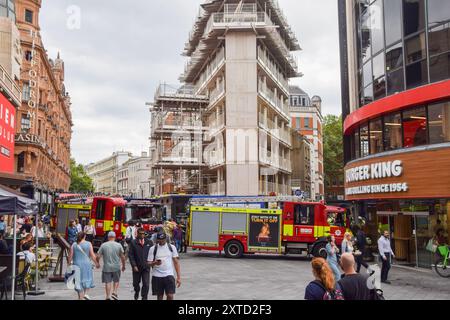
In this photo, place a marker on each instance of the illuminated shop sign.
(375, 171)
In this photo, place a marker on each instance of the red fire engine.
(294, 227)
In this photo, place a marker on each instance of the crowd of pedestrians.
(152, 257)
(338, 277)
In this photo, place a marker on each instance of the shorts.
(108, 277)
(161, 285)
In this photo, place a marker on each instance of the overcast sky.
(124, 49)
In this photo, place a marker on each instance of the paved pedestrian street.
(208, 276)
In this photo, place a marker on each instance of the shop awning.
(12, 203)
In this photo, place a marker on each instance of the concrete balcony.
(279, 133)
(209, 72)
(270, 159)
(272, 99)
(272, 70)
(265, 188)
(217, 93)
(215, 158)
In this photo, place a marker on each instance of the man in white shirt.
(385, 250)
(79, 226)
(163, 258)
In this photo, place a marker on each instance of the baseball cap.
(111, 234)
(161, 236)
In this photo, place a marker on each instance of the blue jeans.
(178, 245)
(335, 268)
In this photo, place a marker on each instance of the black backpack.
(156, 250)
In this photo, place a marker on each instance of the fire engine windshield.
(336, 219)
(144, 214)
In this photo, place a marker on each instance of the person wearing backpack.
(324, 286)
(354, 285)
(163, 258)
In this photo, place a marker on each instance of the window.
(119, 214)
(415, 49)
(439, 122)
(28, 16)
(367, 73)
(39, 127)
(100, 209)
(394, 57)
(364, 138)
(307, 123)
(21, 162)
(392, 12)
(297, 124)
(376, 136)
(414, 127)
(440, 67)
(413, 16)
(366, 41)
(303, 215)
(393, 132)
(25, 123)
(395, 81)
(26, 91)
(28, 56)
(438, 11)
(439, 40)
(416, 74)
(376, 17)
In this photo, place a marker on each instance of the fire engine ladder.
(203, 201)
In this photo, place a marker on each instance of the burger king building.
(395, 63)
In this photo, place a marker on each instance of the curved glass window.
(412, 127)
(410, 52)
(377, 27)
(393, 27)
(413, 16)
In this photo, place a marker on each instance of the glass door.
(423, 235)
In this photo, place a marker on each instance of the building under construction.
(176, 140)
(235, 100)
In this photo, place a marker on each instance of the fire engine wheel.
(234, 249)
(320, 251)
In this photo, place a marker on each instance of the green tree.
(333, 148)
(81, 182)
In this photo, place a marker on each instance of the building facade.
(395, 58)
(306, 118)
(105, 173)
(139, 173)
(240, 56)
(44, 119)
(302, 151)
(10, 97)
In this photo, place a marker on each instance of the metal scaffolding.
(177, 140)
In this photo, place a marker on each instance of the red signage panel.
(7, 133)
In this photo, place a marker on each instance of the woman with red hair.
(324, 285)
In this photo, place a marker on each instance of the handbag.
(431, 246)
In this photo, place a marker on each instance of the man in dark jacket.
(361, 246)
(138, 254)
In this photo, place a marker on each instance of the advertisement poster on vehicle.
(7, 134)
(264, 230)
